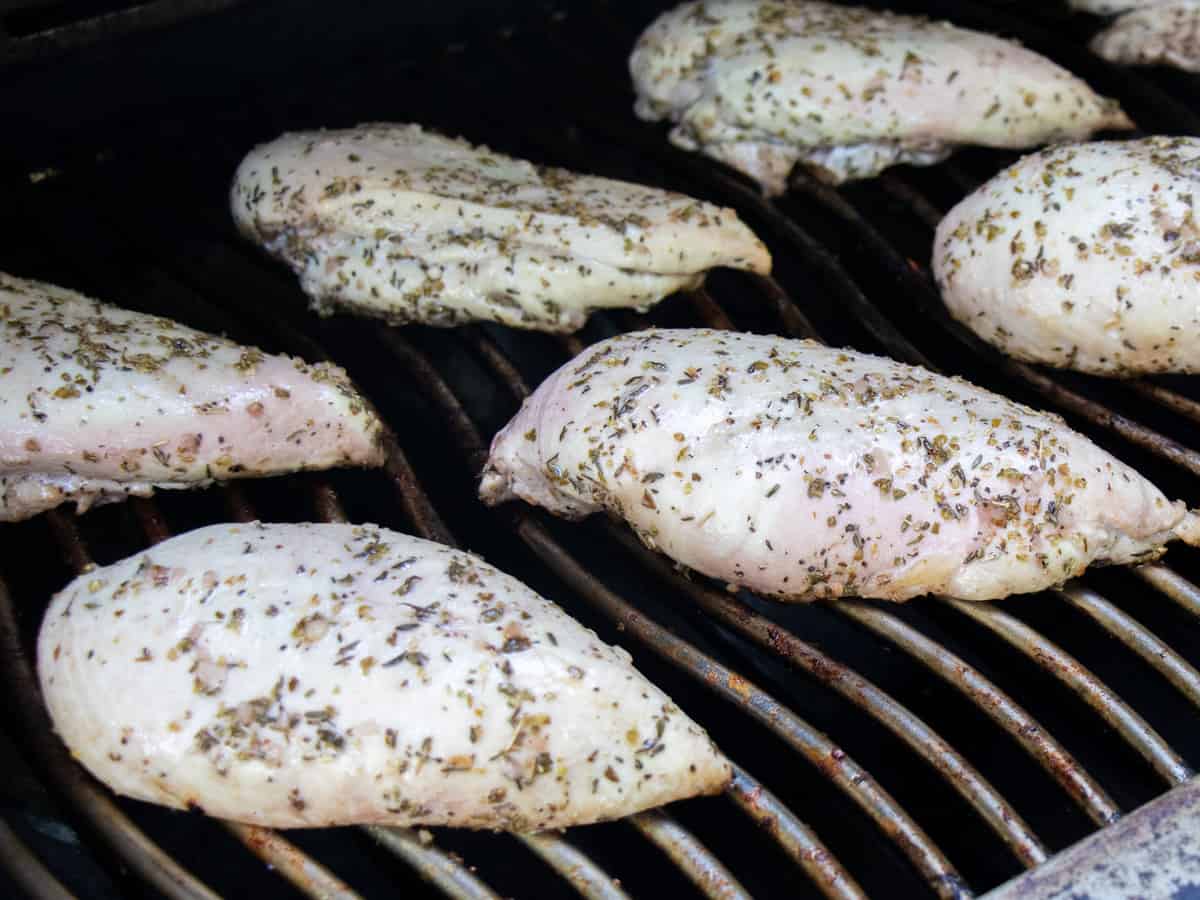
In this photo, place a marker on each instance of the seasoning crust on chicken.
(98, 403)
(762, 85)
(319, 675)
(801, 471)
(405, 225)
(1084, 257)
(1163, 34)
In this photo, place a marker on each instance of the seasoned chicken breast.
(762, 85)
(97, 403)
(1084, 256)
(409, 226)
(1165, 34)
(1107, 7)
(314, 675)
(801, 471)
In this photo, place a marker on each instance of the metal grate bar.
(1115, 711)
(1175, 586)
(700, 866)
(1178, 403)
(1137, 638)
(989, 698)
(832, 761)
(305, 873)
(432, 864)
(909, 728)
(588, 879)
(27, 870)
(126, 839)
(793, 836)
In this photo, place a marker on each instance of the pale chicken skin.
(98, 403)
(1107, 7)
(1084, 257)
(1165, 34)
(764, 85)
(802, 472)
(402, 224)
(319, 675)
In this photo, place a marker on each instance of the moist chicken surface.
(1107, 7)
(316, 675)
(1161, 34)
(406, 225)
(765, 84)
(1083, 256)
(801, 471)
(97, 403)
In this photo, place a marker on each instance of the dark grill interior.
(964, 743)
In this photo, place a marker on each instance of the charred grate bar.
(976, 741)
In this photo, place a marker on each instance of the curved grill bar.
(27, 870)
(989, 698)
(304, 872)
(432, 864)
(793, 836)
(920, 738)
(704, 870)
(1173, 585)
(1137, 638)
(588, 879)
(1116, 712)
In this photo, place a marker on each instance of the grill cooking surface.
(934, 749)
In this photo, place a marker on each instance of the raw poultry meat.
(97, 403)
(1161, 34)
(1084, 256)
(316, 675)
(399, 223)
(802, 471)
(846, 92)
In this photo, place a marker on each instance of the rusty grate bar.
(1137, 638)
(794, 837)
(305, 873)
(1136, 731)
(27, 871)
(692, 857)
(995, 703)
(916, 734)
(1172, 584)
(431, 864)
(588, 879)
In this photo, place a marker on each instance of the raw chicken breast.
(1107, 7)
(1165, 34)
(97, 403)
(1084, 256)
(764, 84)
(409, 226)
(314, 675)
(801, 471)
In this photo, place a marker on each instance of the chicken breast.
(399, 223)
(315, 675)
(1166, 34)
(762, 85)
(1107, 7)
(1084, 256)
(97, 403)
(801, 471)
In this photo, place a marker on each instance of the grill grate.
(975, 740)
